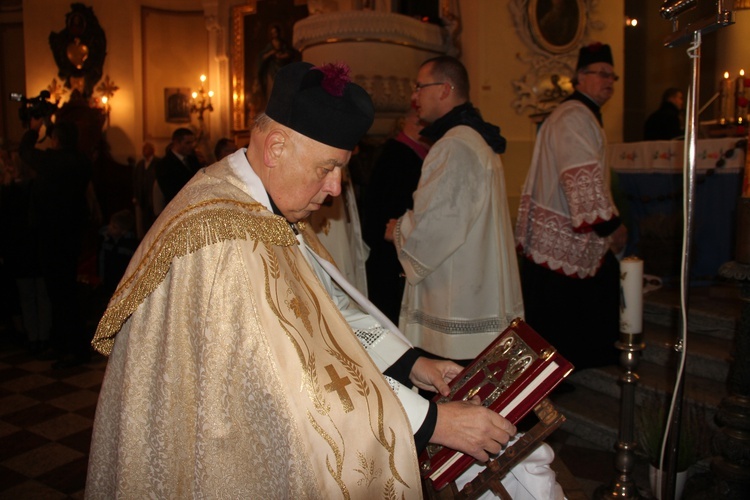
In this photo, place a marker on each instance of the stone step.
(589, 415)
(712, 310)
(708, 356)
(593, 409)
(653, 379)
(593, 414)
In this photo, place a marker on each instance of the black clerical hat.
(594, 53)
(322, 103)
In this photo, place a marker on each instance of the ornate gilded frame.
(238, 60)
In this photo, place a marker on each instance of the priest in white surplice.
(234, 371)
(456, 245)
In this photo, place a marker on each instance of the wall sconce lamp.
(106, 89)
(201, 101)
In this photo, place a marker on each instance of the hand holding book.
(510, 377)
(471, 428)
(434, 374)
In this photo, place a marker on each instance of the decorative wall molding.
(367, 26)
(366, 35)
(548, 80)
(390, 94)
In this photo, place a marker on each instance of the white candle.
(631, 295)
(725, 99)
(739, 98)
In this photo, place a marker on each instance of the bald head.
(297, 172)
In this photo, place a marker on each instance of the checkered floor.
(45, 424)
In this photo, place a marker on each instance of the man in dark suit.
(179, 164)
(61, 214)
(665, 123)
(144, 176)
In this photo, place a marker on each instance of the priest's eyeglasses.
(604, 75)
(419, 86)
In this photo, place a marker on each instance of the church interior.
(131, 72)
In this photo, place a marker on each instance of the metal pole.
(723, 16)
(669, 462)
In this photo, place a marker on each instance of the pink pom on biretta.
(335, 78)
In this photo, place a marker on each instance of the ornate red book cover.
(511, 376)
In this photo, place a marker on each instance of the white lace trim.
(395, 386)
(587, 196)
(548, 238)
(369, 338)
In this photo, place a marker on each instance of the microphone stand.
(723, 17)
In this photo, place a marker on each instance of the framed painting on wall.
(177, 105)
(557, 25)
(261, 43)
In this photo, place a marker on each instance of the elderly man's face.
(308, 172)
(597, 81)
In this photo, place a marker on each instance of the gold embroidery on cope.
(309, 374)
(309, 371)
(367, 469)
(390, 447)
(336, 452)
(190, 230)
(390, 490)
(338, 385)
(304, 305)
(318, 398)
(300, 310)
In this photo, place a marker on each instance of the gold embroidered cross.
(338, 385)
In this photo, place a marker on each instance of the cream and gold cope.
(232, 373)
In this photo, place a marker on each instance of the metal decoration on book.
(511, 377)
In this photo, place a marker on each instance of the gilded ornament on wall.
(553, 31)
(79, 49)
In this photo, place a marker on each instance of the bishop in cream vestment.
(229, 375)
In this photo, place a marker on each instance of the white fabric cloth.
(532, 479)
(338, 227)
(566, 192)
(456, 247)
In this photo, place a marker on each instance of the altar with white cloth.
(651, 181)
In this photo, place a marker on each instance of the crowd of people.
(244, 362)
(60, 260)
